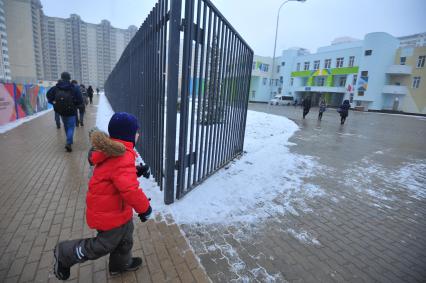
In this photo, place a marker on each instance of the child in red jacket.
(112, 195)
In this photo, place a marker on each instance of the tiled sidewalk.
(42, 201)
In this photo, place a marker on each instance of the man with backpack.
(65, 97)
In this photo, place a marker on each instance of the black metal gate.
(198, 89)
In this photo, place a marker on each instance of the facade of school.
(380, 72)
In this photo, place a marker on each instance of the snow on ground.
(104, 113)
(16, 123)
(265, 181)
(409, 178)
(304, 237)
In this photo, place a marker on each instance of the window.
(276, 82)
(264, 81)
(321, 81)
(283, 64)
(306, 66)
(253, 94)
(368, 52)
(298, 67)
(264, 67)
(278, 69)
(281, 79)
(339, 62)
(416, 82)
(291, 81)
(402, 60)
(354, 80)
(316, 64)
(351, 61)
(342, 81)
(364, 74)
(279, 90)
(327, 63)
(360, 93)
(421, 61)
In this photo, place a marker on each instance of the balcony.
(337, 89)
(399, 70)
(395, 89)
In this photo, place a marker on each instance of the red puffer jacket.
(113, 188)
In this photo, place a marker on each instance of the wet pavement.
(365, 223)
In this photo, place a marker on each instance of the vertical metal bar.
(172, 91)
(247, 90)
(238, 102)
(206, 91)
(200, 96)
(222, 94)
(154, 101)
(193, 93)
(218, 98)
(224, 136)
(186, 67)
(233, 100)
(212, 90)
(163, 87)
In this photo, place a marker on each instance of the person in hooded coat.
(306, 106)
(112, 196)
(65, 97)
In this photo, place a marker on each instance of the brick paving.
(43, 201)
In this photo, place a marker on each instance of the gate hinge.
(189, 160)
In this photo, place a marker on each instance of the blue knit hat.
(123, 126)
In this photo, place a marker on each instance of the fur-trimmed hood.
(105, 147)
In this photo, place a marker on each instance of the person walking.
(57, 116)
(306, 106)
(112, 196)
(65, 97)
(90, 93)
(344, 111)
(97, 91)
(81, 109)
(322, 108)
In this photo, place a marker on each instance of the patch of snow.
(264, 182)
(304, 237)
(104, 113)
(263, 276)
(414, 178)
(16, 123)
(377, 194)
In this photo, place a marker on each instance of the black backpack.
(64, 103)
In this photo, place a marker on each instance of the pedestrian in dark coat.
(306, 106)
(322, 108)
(90, 93)
(344, 111)
(65, 97)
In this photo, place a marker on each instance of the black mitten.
(145, 216)
(142, 170)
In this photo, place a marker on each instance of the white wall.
(383, 48)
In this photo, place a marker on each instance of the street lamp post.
(275, 44)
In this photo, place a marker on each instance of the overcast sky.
(310, 25)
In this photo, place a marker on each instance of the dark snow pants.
(117, 242)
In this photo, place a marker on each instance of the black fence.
(189, 76)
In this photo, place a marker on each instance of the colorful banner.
(21, 100)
